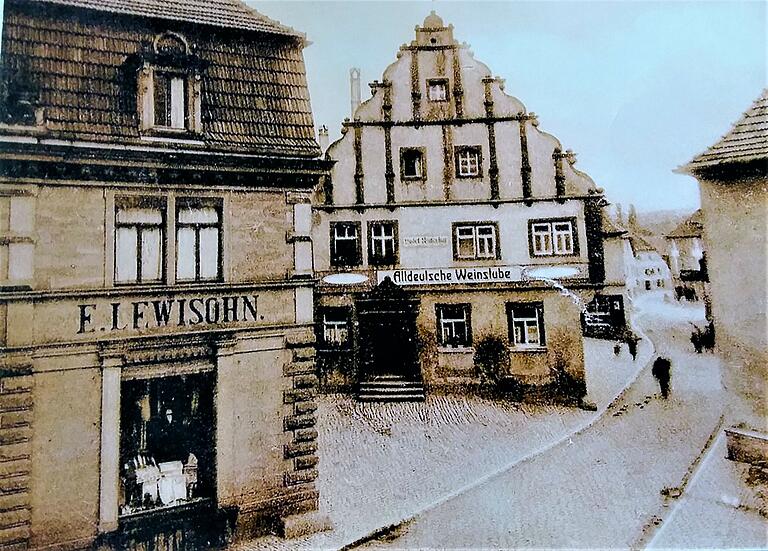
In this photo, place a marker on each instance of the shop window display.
(167, 453)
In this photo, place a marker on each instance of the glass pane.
(205, 215)
(519, 328)
(532, 333)
(151, 254)
(139, 216)
(523, 311)
(162, 106)
(185, 253)
(125, 255)
(177, 103)
(209, 253)
(466, 247)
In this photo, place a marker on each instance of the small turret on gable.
(433, 32)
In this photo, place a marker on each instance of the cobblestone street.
(381, 463)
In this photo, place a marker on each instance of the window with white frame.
(382, 243)
(437, 89)
(335, 327)
(553, 237)
(412, 166)
(454, 325)
(170, 100)
(473, 241)
(139, 240)
(345, 244)
(198, 240)
(526, 324)
(468, 161)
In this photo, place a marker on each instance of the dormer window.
(170, 100)
(437, 89)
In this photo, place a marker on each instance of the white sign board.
(452, 276)
(425, 241)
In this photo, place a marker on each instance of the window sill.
(528, 349)
(455, 350)
(466, 177)
(413, 179)
(192, 505)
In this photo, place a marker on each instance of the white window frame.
(176, 101)
(449, 325)
(418, 164)
(197, 228)
(346, 235)
(139, 227)
(385, 243)
(437, 90)
(553, 238)
(483, 238)
(468, 161)
(335, 332)
(527, 322)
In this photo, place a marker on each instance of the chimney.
(354, 89)
(322, 139)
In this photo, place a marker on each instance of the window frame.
(539, 320)
(151, 202)
(423, 154)
(358, 247)
(459, 150)
(440, 321)
(435, 82)
(375, 260)
(198, 202)
(455, 226)
(170, 74)
(344, 311)
(551, 222)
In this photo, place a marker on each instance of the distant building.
(450, 218)
(733, 180)
(687, 260)
(648, 270)
(156, 295)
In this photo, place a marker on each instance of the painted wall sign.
(425, 241)
(452, 276)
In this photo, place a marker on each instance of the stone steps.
(391, 388)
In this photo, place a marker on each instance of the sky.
(636, 89)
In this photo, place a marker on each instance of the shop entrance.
(387, 317)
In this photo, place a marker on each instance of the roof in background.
(611, 228)
(232, 14)
(746, 141)
(692, 226)
(640, 244)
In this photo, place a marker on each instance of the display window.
(167, 454)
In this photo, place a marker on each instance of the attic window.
(169, 100)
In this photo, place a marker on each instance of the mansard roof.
(746, 141)
(232, 14)
(81, 67)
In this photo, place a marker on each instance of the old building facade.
(733, 182)
(687, 259)
(156, 301)
(450, 218)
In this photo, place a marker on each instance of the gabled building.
(450, 218)
(733, 181)
(687, 260)
(648, 270)
(156, 297)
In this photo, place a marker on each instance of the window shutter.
(145, 93)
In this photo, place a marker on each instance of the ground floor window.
(335, 327)
(526, 324)
(167, 454)
(454, 325)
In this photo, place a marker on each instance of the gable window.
(139, 240)
(412, 164)
(335, 327)
(468, 161)
(475, 241)
(382, 243)
(345, 244)
(170, 100)
(553, 237)
(454, 325)
(198, 240)
(526, 324)
(437, 89)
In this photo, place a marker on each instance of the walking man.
(660, 370)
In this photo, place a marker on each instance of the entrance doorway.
(387, 317)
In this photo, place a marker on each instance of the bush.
(491, 359)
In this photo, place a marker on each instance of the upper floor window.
(475, 241)
(437, 89)
(454, 325)
(345, 244)
(198, 240)
(170, 100)
(412, 163)
(468, 161)
(526, 324)
(382, 243)
(139, 240)
(335, 327)
(553, 237)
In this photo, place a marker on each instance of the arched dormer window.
(170, 88)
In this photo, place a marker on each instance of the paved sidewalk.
(381, 463)
(725, 505)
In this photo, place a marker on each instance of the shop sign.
(452, 276)
(167, 312)
(425, 241)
